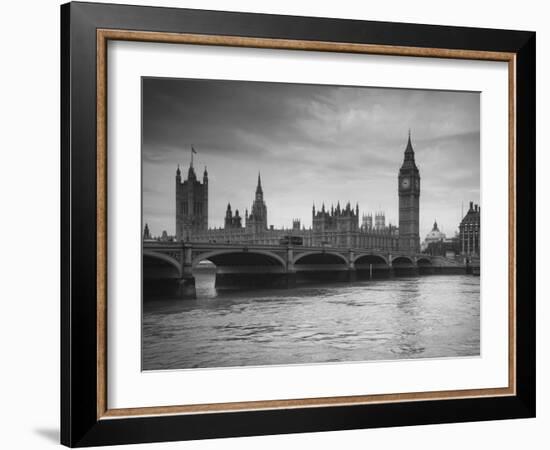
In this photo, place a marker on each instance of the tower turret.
(237, 223)
(257, 219)
(191, 175)
(408, 160)
(146, 232)
(191, 203)
(228, 216)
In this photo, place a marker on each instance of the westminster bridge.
(168, 266)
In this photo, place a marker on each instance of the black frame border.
(79, 423)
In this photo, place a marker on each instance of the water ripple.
(434, 316)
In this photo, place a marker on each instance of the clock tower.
(409, 202)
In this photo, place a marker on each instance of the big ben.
(409, 202)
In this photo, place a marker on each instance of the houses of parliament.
(339, 226)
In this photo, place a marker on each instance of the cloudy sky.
(312, 144)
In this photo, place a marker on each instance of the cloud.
(312, 143)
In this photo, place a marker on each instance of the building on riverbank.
(470, 231)
(338, 226)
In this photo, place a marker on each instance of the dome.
(435, 235)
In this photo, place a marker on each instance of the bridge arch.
(425, 266)
(370, 259)
(399, 260)
(161, 257)
(240, 257)
(320, 257)
(424, 261)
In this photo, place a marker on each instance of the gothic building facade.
(338, 226)
(337, 219)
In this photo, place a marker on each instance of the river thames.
(400, 318)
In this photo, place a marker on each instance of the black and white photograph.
(299, 224)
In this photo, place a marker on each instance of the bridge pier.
(186, 287)
(290, 280)
(352, 273)
(290, 269)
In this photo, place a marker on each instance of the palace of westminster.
(336, 227)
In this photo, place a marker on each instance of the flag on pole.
(193, 152)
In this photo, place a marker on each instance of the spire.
(408, 161)
(259, 181)
(435, 228)
(178, 171)
(259, 189)
(409, 148)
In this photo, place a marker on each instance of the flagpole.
(192, 151)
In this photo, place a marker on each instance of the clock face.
(405, 183)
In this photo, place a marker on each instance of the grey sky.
(311, 143)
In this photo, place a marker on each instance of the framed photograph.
(276, 224)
